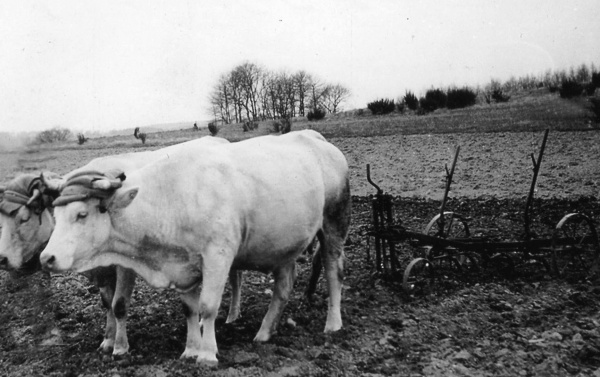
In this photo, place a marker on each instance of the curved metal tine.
(379, 190)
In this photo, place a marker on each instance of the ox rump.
(190, 218)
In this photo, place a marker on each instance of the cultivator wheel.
(575, 244)
(450, 266)
(418, 276)
(445, 261)
(452, 226)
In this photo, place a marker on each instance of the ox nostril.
(3, 261)
(50, 261)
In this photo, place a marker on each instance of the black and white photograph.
(299, 188)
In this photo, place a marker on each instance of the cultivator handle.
(379, 190)
(536, 169)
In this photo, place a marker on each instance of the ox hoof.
(190, 353)
(334, 322)
(333, 327)
(120, 351)
(207, 359)
(262, 337)
(232, 318)
(106, 346)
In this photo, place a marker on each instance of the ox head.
(83, 213)
(26, 223)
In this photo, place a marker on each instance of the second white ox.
(255, 205)
(26, 224)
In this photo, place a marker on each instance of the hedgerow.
(461, 97)
(381, 106)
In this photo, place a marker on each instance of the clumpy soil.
(489, 164)
(484, 325)
(528, 323)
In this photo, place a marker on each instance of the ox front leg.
(284, 282)
(235, 280)
(191, 310)
(120, 305)
(214, 278)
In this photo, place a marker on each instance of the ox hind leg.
(106, 279)
(284, 282)
(332, 237)
(315, 273)
(120, 305)
(235, 279)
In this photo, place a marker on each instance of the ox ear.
(122, 198)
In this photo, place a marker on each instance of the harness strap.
(80, 187)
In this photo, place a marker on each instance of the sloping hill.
(531, 111)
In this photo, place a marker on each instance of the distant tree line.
(553, 80)
(250, 92)
(569, 83)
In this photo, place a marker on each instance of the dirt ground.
(528, 324)
(489, 164)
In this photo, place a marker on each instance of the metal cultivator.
(446, 246)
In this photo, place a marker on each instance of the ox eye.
(81, 215)
(23, 215)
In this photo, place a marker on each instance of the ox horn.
(106, 184)
(36, 194)
(52, 181)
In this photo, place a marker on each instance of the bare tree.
(302, 81)
(334, 96)
(248, 76)
(264, 95)
(316, 93)
(249, 92)
(280, 95)
(220, 100)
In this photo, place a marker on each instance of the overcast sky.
(104, 65)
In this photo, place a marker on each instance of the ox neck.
(126, 226)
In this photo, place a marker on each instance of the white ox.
(26, 225)
(254, 205)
